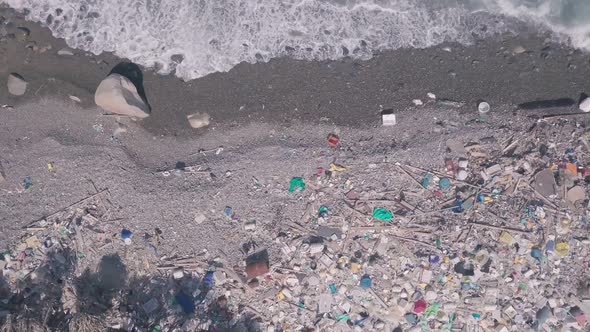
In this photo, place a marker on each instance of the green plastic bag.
(382, 214)
(296, 183)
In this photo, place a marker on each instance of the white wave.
(215, 35)
(569, 18)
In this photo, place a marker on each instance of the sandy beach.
(269, 123)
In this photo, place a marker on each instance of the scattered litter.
(388, 117)
(228, 211)
(491, 236)
(335, 168)
(296, 184)
(544, 104)
(575, 194)
(449, 103)
(382, 214)
(333, 140)
(126, 235)
(483, 107)
(27, 182)
(150, 306)
(257, 264)
(74, 98)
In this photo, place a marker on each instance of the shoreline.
(344, 92)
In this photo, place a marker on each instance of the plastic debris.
(296, 184)
(27, 182)
(333, 140)
(126, 235)
(228, 212)
(444, 183)
(483, 107)
(366, 281)
(389, 119)
(491, 236)
(382, 214)
(426, 180)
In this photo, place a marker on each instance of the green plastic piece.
(296, 183)
(438, 244)
(432, 309)
(382, 214)
(342, 317)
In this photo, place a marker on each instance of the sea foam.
(194, 38)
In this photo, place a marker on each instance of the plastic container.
(483, 107)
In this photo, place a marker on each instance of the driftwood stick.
(69, 206)
(499, 227)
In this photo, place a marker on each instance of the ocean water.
(198, 37)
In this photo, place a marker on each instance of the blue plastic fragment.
(366, 281)
(208, 280)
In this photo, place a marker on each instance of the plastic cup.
(483, 107)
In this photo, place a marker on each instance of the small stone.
(65, 51)
(518, 50)
(585, 105)
(117, 94)
(198, 120)
(16, 84)
(200, 218)
(417, 102)
(22, 34)
(74, 98)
